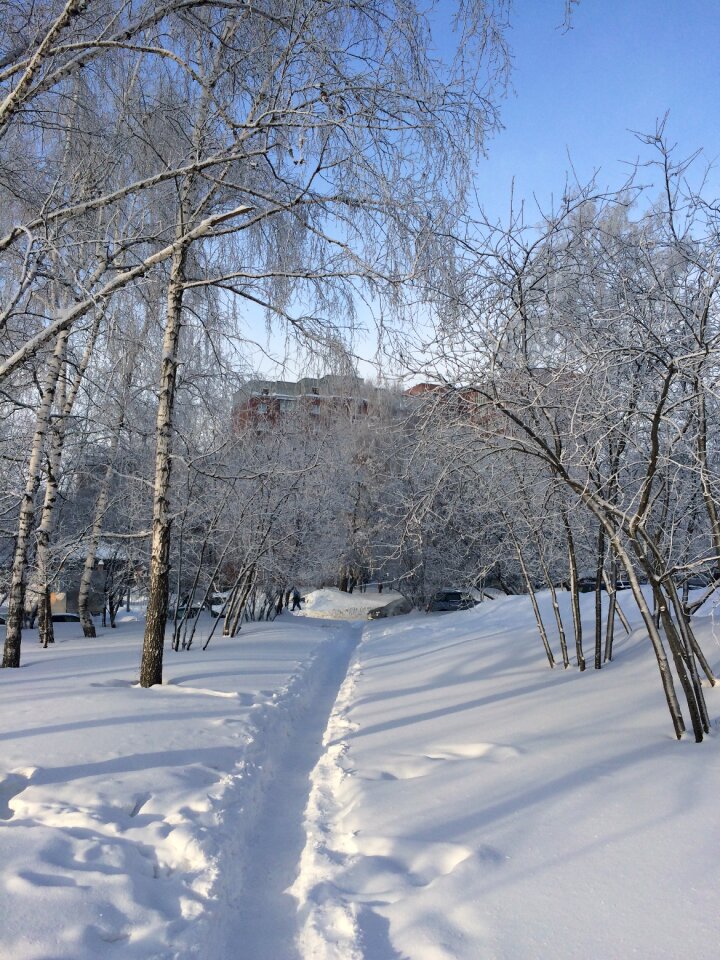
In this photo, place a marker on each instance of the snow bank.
(333, 604)
(473, 803)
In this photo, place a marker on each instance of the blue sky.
(622, 65)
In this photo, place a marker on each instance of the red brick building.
(266, 402)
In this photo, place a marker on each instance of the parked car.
(217, 603)
(587, 585)
(700, 581)
(393, 609)
(445, 600)
(55, 617)
(192, 611)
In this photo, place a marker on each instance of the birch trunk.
(66, 402)
(240, 605)
(574, 592)
(101, 503)
(652, 629)
(648, 619)
(16, 600)
(43, 532)
(556, 608)
(598, 597)
(152, 654)
(103, 498)
(533, 601)
(610, 625)
(705, 474)
(45, 624)
(685, 669)
(618, 609)
(684, 627)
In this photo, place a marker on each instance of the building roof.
(330, 385)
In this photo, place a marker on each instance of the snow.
(332, 603)
(127, 810)
(422, 787)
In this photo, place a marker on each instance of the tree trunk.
(618, 609)
(687, 676)
(45, 623)
(705, 476)
(610, 626)
(555, 606)
(155, 623)
(86, 622)
(16, 600)
(647, 615)
(101, 503)
(687, 633)
(598, 598)
(236, 606)
(533, 601)
(116, 598)
(47, 516)
(66, 402)
(574, 592)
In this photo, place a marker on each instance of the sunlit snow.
(417, 788)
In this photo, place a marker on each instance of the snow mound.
(333, 604)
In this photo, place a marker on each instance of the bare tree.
(588, 335)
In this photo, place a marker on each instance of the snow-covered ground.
(421, 788)
(128, 816)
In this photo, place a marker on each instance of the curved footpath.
(163, 823)
(252, 916)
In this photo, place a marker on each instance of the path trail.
(262, 921)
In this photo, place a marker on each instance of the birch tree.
(331, 126)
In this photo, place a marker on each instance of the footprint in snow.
(494, 752)
(388, 867)
(11, 786)
(137, 803)
(413, 766)
(35, 879)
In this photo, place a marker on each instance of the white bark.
(153, 643)
(16, 600)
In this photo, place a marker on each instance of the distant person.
(296, 599)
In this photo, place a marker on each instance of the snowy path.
(169, 820)
(259, 918)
